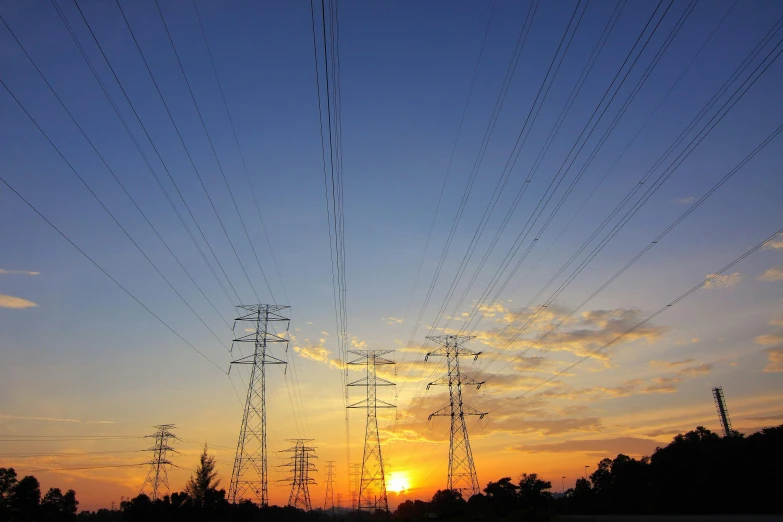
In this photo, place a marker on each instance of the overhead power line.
(113, 280)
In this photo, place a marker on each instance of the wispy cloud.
(4, 417)
(773, 274)
(671, 364)
(624, 445)
(685, 201)
(391, 320)
(775, 364)
(9, 301)
(775, 243)
(3, 271)
(722, 280)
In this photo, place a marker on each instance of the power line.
(99, 267)
(212, 147)
(109, 98)
(239, 149)
(114, 175)
(644, 321)
(184, 146)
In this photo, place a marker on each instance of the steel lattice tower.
(723, 411)
(250, 464)
(372, 487)
(329, 497)
(301, 467)
(354, 482)
(158, 477)
(462, 470)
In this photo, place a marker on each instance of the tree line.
(699, 472)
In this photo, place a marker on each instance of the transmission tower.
(158, 476)
(354, 482)
(372, 487)
(329, 498)
(723, 411)
(462, 471)
(249, 475)
(300, 467)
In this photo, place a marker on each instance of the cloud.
(769, 339)
(315, 352)
(624, 445)
(722, 280)
(685, 201)
(579, 335)
(359, 345)
(4, 417)
(9, 301)
(693, 371)
(391, 320)
(671, 364)
(774, 243)
(775, 364)
(773, 274)
(3, 271)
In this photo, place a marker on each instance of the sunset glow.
(386, 260)
(398, 482)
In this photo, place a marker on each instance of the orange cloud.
(773, 274)
(9, 301)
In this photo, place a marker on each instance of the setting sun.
(398, 482)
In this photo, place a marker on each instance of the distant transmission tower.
(354, 483)
(249, 475)
(300, 467)
(372, 487)
(723, 411)
(329, 498)
(462, 471)
(158, 477)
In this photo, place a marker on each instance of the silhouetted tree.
(202, 487)
(447, 502)
(24, 500)
(58, 507)
(533, 492)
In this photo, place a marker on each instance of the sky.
(86, 370)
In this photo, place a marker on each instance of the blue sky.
(88, 351)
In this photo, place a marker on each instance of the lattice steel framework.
(723, 411)
(329, 497)
(158, 477)
(249, 475)
(462, 470)
(372, 487)
(300, 467)
(354, 483)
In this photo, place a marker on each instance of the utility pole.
(354, 483)
(249, 475)
(301, 467)
(329, 498)
(723, 411)
(462, 470)
(158, 477)
(372, 487)
(339, 501)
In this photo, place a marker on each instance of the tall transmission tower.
(158, 477)
(354, 483)
(723, 411)
(372, 487)
(329, 497)
(462, 470)
(249, 475)
(301, 467)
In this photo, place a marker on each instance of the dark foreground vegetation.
(697, 473)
